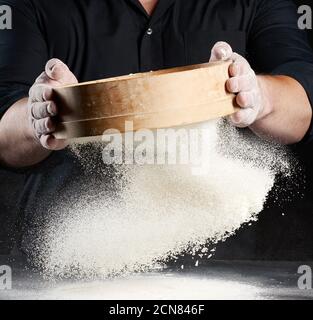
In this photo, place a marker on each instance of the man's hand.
(41, 107)
(243, 82)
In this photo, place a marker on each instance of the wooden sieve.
(161, 99)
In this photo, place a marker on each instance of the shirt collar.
(160, 10)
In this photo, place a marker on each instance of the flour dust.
(160, 212)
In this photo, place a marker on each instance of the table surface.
(214, 280)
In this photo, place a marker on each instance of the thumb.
(58, 71)
(221, 51)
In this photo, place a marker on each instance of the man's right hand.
(41, 107)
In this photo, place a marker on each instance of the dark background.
(283, 232)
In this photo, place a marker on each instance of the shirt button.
(149, 32)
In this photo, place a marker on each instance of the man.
(64, 42)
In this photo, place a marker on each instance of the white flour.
(163, 211)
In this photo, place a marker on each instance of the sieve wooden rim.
(160, 99)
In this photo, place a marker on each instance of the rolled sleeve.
(23, 53)
(9, 95)
(278, 47)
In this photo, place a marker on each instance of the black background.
(274, 237)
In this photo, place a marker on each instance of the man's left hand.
(243, 82)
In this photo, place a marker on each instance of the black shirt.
(104, 38)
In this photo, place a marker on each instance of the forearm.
(18, 145)
(286, 114)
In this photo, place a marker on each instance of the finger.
(59, 71)
(242, 83)
(243, 118)
(236, 57)
(49, 142)
(40, 93)
(43, 78)
(41, 110)
(246, 99)
(43, 127)
(239, 68)
(221, 51)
